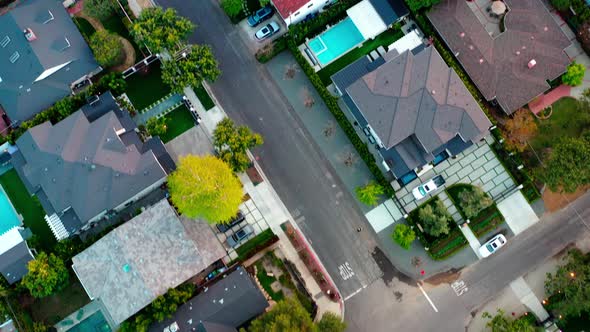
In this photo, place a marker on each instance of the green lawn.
(29, 207)
(85, 27)
(566, 121)
(204, 97)
(385, 39)
(114, 23)
(54, 308)
(266, 281)
(177, 122)
(145, 89)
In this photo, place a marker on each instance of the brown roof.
(288, 7)
(499, 66)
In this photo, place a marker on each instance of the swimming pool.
(93, 323)
(336, 41)
(8, 216)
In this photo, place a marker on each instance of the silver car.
(267, 30)
(239, 236)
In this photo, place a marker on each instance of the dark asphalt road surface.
(301, 175)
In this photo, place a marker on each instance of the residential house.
(221, 307)
(42, 54)
(413, 107)
(511, 60)
(295, 11)
(143, 258)
(15, 255)
(89, 165)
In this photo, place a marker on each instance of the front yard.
(177, 122)
(145, 88)
(56, 307)
(567, 120)
(29, 207)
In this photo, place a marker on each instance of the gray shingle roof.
(390, 11)
(499, 66)
(14, 262)
(20, 95)
(141, 259)
(231, 301)
(86, 165)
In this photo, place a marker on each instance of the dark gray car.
(239, 236)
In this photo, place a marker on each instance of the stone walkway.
(528, 298)
(471, 238)
(546, 100)
(478, 165)
(162, 107)
(450, 207)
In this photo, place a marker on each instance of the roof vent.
(67, 45)
(433, 92)
(14, 57)
(517, 52)
(126, 268)
(545, 28)
(532, 63)
(5, 41)
(462, 34)
(29, 34)
(480, 61)
(50, 18)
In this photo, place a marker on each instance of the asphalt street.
(376, 308)
(301, 175)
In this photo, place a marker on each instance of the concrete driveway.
(193, 141)
(517, 212)
(247, 32)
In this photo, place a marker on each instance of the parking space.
(247, 32)
(517, 212)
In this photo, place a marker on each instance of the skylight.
(5, 41)
(14, 57)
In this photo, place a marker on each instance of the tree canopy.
(205, 187)
(501, 323)
(569, 286)
(403, 235)
(561, 4)
(232, 8)
(435, 218)
(574, 75)
(568, 165)
(198, 65)
(107, 48)
(520, 129)
(369, 194)
(47, 274)
(233, 141)
(156, 126)
(419, 4)
(100, 9)
(161, 29)
(472, 200)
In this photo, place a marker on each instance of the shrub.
(107, 48)
(232, 8)
(435, 218)
(369, 194)
(574, 75)
(473, 200)
(156, 126)
(403, 235)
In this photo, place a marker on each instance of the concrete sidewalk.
(271, 207)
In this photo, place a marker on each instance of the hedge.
(256, 244)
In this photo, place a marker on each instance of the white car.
(267, 30)
(492, 245)
(426, 188)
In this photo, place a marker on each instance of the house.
(89, 165)
(143, 258)
(15, 255)
(413, 107)
(295, 11)
(511, 61)
(222, 307)
(43, 54)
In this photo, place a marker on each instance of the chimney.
(532, 63)
(29, 34)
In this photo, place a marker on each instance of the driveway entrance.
(518, 213)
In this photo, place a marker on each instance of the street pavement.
(397, 304)
(301, 175)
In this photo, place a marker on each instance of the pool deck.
(88, 310)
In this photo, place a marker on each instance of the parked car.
(424, 189)
(223, 227)
(492, 245)
(259, 16)
(267, 31)
(239, 236)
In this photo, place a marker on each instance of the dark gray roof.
(231, 301)
(14, 262)
(390, 11)
(499, 66)
(214, 327)
(143, 258)
(20, 95)
(86, 165)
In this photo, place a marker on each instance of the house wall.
(312, 6)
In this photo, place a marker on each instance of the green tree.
(416, 5)
(264, 3)
(107, 48)
(501, 323)
(330, 322)
(156, 126)
(199, 64)
(403, 235)
(569, 286)
(113, 82)
(561, 5)
(100, 9)
(232, 8)
(233, 141)
(473, 200)
(47, 274)
(568, 165)
(205, 187)
(161, 29)
(287, 315)
(435, 218)
(369, 194)
(574, 75)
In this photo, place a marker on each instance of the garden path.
(546, 100)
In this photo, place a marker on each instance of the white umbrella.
(498, 7)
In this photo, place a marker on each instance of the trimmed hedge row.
(332, 104)
(256, 244)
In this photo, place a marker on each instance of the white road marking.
(428, 298)
(459, 287)
(355, 292)
(346, 271)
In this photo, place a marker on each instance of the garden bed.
(177, 122)
(442, 247)
(256, 244)
(86, 29)
(204, 97)
(487, 219)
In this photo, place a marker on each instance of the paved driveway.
(517, 212)
(248, 32)
(192, 141)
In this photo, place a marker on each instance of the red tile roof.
(287, 7)
(499, 66)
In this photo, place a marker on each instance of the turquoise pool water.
(8, 217)
(336, 41)
(93, 323)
